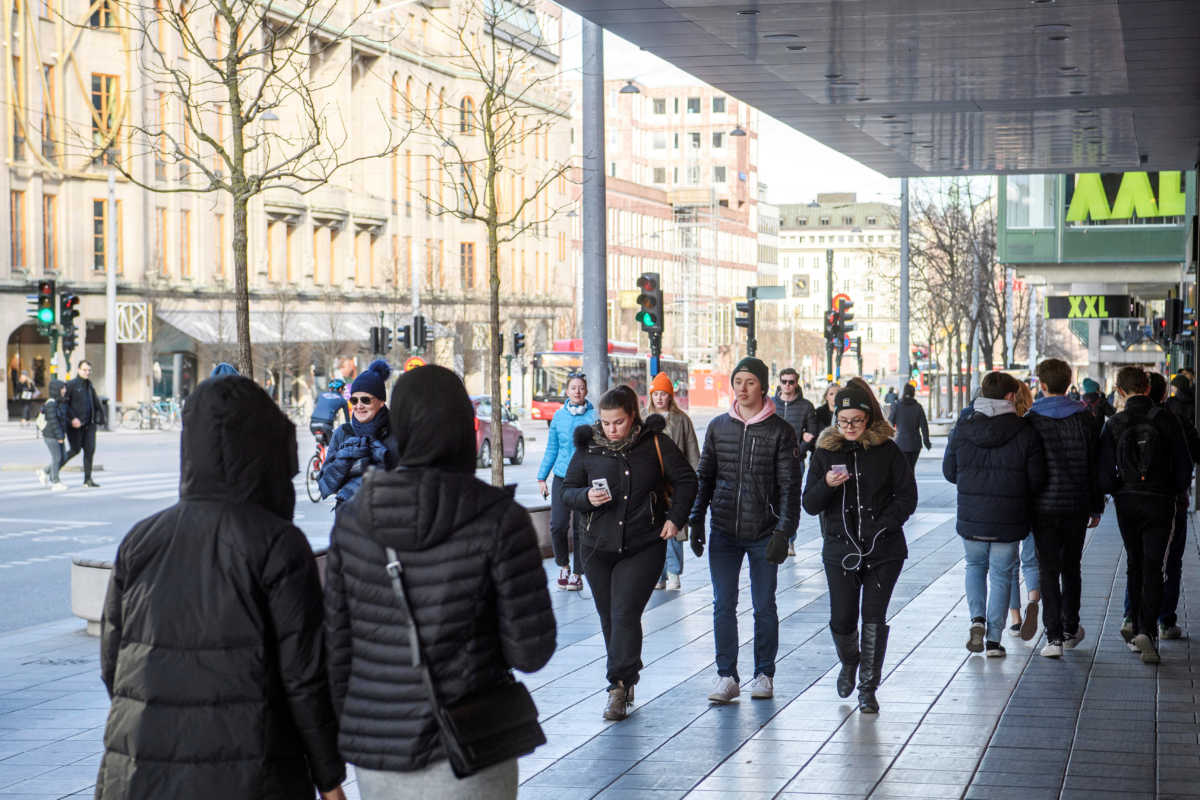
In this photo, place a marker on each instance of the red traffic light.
(648, 283)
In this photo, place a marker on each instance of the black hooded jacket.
(82, 399)
(912, 427)
(211, 638)
(55, 412)
(801, 415)
(1183, 405)
(999, 466)
(867, 513)
(472, 572)
(633, 519)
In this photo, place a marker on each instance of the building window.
(49, 233)
(675, 174)
(872, 221)
(693, 105)
(801, 221)
(718, 140)
(289, 254)
(823, 221)
(333, 245)
(660, 174)
(660, 141)
(660, 105)
(18, 135)
(718, 174)
(676, 105)
(675, 139)
(466, 263)
(1030, 201)
(466, 116)
(718, 105)
(693, 175)
(847, 220)
(100, 235)
(694, 139)
(105, 15)
(17, 220)
(105, 101)
(185, 244)
(160, 241)
(395, 96)
(219, 225)
(612, 169)
(562, 246)
(48, 108)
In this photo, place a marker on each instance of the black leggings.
(621, 585)
(873, 584)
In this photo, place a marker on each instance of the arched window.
(408, 101)
(466, 116)
(428, 104)
(441, 105)
(395, 95)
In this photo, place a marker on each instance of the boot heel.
(848, 654)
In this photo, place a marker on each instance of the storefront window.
(1030, 201)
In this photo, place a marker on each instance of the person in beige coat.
(681, 431)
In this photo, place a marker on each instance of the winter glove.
(777, 548)
(696, 534)
(352, 453)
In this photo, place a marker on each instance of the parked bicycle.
(162, 414)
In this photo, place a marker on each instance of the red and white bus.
(625, 365)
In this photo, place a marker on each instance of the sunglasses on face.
(786, 382)
(361, 399)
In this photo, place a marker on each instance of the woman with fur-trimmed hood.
(862, 487)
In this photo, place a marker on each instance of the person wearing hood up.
(862, 486)
(362, 442)
(912, 426)
(54, 434)
(473, 574)
(680, 430)
(633, 489)
(996, 459)
(211, 636)
(747, 474)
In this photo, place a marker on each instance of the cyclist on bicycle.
(325, 413)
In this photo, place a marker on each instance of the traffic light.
(420, 333)
(68, 310)
(381, 340)
(650, 303)
(832, 326)
(45, 306)
(746, 319)
(845, 322)
(404, 336)
(1172, 318)
(518, 342)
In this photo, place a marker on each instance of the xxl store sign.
(1120, 196)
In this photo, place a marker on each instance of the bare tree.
(250, 87)
(281, 353)
(500, 50)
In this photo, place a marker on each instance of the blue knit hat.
(372, 380)
(1090, 386)
(224, 368)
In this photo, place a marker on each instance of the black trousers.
(1059, 540)
(868, 589)
(1174, 574)
(621, 585)
(562, 520)
(1146, 522)
(82, 438)
(912, 458)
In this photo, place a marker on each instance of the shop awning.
(271, 327)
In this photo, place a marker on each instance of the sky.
(812, 167)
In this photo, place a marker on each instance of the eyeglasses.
(361, 399)
(850, 424)
(787, 382)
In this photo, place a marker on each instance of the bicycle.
(159, 415)
(313, 471)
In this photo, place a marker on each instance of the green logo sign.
(1117, 196)
(1089, 306)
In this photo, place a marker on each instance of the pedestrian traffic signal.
(650, 303)
(68, 308)
(518, 342)
(45, 305)
(420, 333)
(404, 337)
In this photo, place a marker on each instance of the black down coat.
(749, 474)
(473, 574)
(211, 639)
(999, 466)
(866, 513)
(801, 415)
(633, 519)
(1071, 442)
(912, 427)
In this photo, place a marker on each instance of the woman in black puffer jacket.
(625, 530)
(863, 488)
(473, 575)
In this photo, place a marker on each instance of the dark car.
(514, 442)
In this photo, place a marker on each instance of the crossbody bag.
(484, 728)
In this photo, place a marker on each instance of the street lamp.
(630, 88)
(738, 131)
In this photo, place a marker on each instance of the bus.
(625, 365)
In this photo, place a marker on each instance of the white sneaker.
(1053, 650)
(575, 583)
(58, 486)
(762, 688)
(725, 690)
(1070, 641)
(42, 477)
(662, 584)
(673, 582)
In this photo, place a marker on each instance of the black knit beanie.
(755, 367)
(853, 398)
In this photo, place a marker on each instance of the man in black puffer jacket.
(912, 427)
(472, 573)
(996, 459)
(1068, 504)
(210, 643)
(748, 469)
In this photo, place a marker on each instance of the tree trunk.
(494, 354)
(241, 284)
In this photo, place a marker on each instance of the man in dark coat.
(85, 414)
(747, 474)
(1068, 504)
(1181, 403)
(795, 410)
(912, 426)
(211, 638)
(996, 459)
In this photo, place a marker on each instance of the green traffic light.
(46, 315)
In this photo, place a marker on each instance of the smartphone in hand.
(840, 469)
(601, 485)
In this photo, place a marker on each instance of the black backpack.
(1142, 456)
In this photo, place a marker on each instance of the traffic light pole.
(655, 352)
(829, 305)
(110, 297)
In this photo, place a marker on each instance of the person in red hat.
(680, 430)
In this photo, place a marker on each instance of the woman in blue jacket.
(560, 447)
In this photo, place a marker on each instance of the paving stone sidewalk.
(1094, 724)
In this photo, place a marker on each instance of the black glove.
(696, 536)
(777, 548)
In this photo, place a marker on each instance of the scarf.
(371, 427)
(577, 410)
(620, 445)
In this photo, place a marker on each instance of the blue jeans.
(674, 563)
(989, 602)
(725, 554)
(1029, 566)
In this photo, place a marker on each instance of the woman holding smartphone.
(633, 489)
(862, 487)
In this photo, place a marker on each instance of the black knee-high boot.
(847, 652)
(874, 646)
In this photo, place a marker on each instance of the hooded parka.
(472, 572)
(211, 637)
(868, 512)
(912, 427)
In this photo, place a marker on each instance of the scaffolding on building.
(697, 229)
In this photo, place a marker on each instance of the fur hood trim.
(584, 434)
(877, 433)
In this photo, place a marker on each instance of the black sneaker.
(994, 650)
(91, 484)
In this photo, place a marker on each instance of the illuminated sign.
(1123, 196)
(1090, 306)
